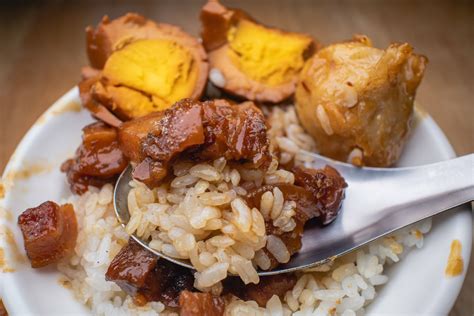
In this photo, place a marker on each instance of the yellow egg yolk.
(266, 55)
(162, 71)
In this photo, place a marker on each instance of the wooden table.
(43, 48)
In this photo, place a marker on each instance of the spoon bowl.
(120, 199)
(378, 201)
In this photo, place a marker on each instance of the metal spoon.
(378, 201)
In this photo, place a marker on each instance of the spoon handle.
(379, 201)
(401, 196)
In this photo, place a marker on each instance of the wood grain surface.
(43, 48)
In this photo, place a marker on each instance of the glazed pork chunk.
(146, 278)
(98, 159)
(141, 275)
(262, 292)
(199, 304)
(201, 130)
(49, 232)
(317, 194)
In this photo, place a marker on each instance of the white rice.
(201, 216)
(205, 199)
(217, 78)
(288, 137)
(324, 120)
(347, 285)
(100, 238)
(168, 216)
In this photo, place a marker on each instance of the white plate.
(417, 284)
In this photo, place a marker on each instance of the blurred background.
(43, 48)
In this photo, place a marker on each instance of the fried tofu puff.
(357, 100)
(145, 66)
(250, 60)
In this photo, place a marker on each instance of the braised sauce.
(97, 161)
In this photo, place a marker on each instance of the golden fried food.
(146, 67)
(250, 60)
(357, 100)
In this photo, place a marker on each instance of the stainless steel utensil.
(378, 201)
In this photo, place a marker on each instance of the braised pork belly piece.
(98, 159)
(200, 304)
(262, 292)
(303, 198)
(327, 187)
(177, 130)
(318, 194)
(132, 133)
(141, 275)
(132, 270)
(305, 210)
(49, 232)
(201, 130)
(236, 132)
(3, 310)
